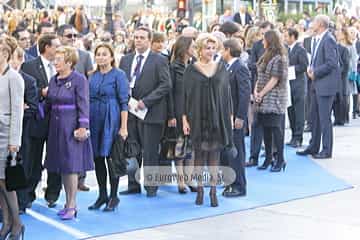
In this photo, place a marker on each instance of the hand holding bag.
(15, 178)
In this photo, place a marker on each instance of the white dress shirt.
(134, 63)
(49, 68)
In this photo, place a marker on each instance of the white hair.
(323, 19)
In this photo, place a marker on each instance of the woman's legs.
(12, 208)
(101, 176)
(179, 164)
(70, 185)
(268, 135)
(7, 221)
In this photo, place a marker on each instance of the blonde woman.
(207, 112)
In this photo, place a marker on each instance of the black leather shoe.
(321, 156)
(226, 189)
(265, 165)
(234, 192)
(296, 144)
(305, 152)
(252, 162)
(51, 203)
(99, 202)
(151, 194)
(134, 190)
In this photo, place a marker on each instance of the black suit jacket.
(35, 69)
(30, 95)
(176, 95)
(298, 58)
(344, 66)
(307, 44)
(256, 52)
(240, 89)
(152, 86)
(248, 19)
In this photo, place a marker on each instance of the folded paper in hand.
(291, 73)
(133, 103)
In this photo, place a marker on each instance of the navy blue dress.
(109, 94)
(68, 103)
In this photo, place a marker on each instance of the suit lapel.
(320, 46)
(42, 71)
(129, 65)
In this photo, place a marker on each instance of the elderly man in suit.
(324, 71)
(149, 78)
(42, 69)
(299, 60)
(240, 93)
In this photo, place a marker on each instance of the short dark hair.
(18, 30)
(229, 28)
(146, 29)
(45, 40)
(158, 37)
(234, 46)
(43, 25)
(293, 32)
(267, 24)
(61, 29)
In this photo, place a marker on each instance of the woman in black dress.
(270, 94)
(183, 50)
(207, 113)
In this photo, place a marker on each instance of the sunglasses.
(105, 39)
(70, 36)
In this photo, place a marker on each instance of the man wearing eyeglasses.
(23, 38)
(68, 35)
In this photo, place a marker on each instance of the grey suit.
(326, 70)
(298, 59)
(12, 89)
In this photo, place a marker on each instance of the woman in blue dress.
(68, 147)
(109, 89)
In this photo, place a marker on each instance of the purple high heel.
(62, 211)
(70, 213)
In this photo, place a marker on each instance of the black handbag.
(117, 161)
(131, 148)
(15, 178)
(168, 144)
(183, 148)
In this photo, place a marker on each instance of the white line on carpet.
(72, 231)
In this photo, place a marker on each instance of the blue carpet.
(302, 178)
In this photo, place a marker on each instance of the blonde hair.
(70, 54)
(252, 36)
(4, 47)
(202, 41)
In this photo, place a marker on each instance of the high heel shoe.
(278, 167)
(19, 235)
(6, 234)
(192, 189)
(182, 190)
(70, 214)
(62, 211)
(265, 165)
(112, 204)
(200, 196)
(213, 197)
(99, 202)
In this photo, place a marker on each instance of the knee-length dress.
(68, 104)
(109, 94)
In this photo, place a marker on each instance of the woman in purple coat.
(69, 149)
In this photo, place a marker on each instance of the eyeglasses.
(70, 35)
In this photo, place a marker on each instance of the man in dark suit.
(42, 70)
(243, 17)
(324, 71)
(30, 109)
(256, 130)
(23, 38)
(240, 92)
(43, 28)
(299, 60)
(149, 78)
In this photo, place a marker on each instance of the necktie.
(313, 51)
(227, 66)
(137, 69)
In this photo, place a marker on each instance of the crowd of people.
(69, 88)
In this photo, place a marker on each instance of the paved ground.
(333, 216)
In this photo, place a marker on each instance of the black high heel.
(99, 202)
(265, 165)
(112, 204)
(182, 190)
(6, 234)
(192, 189)
(213, 197)
(200, 196)
(19, 235)
(279, 167)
